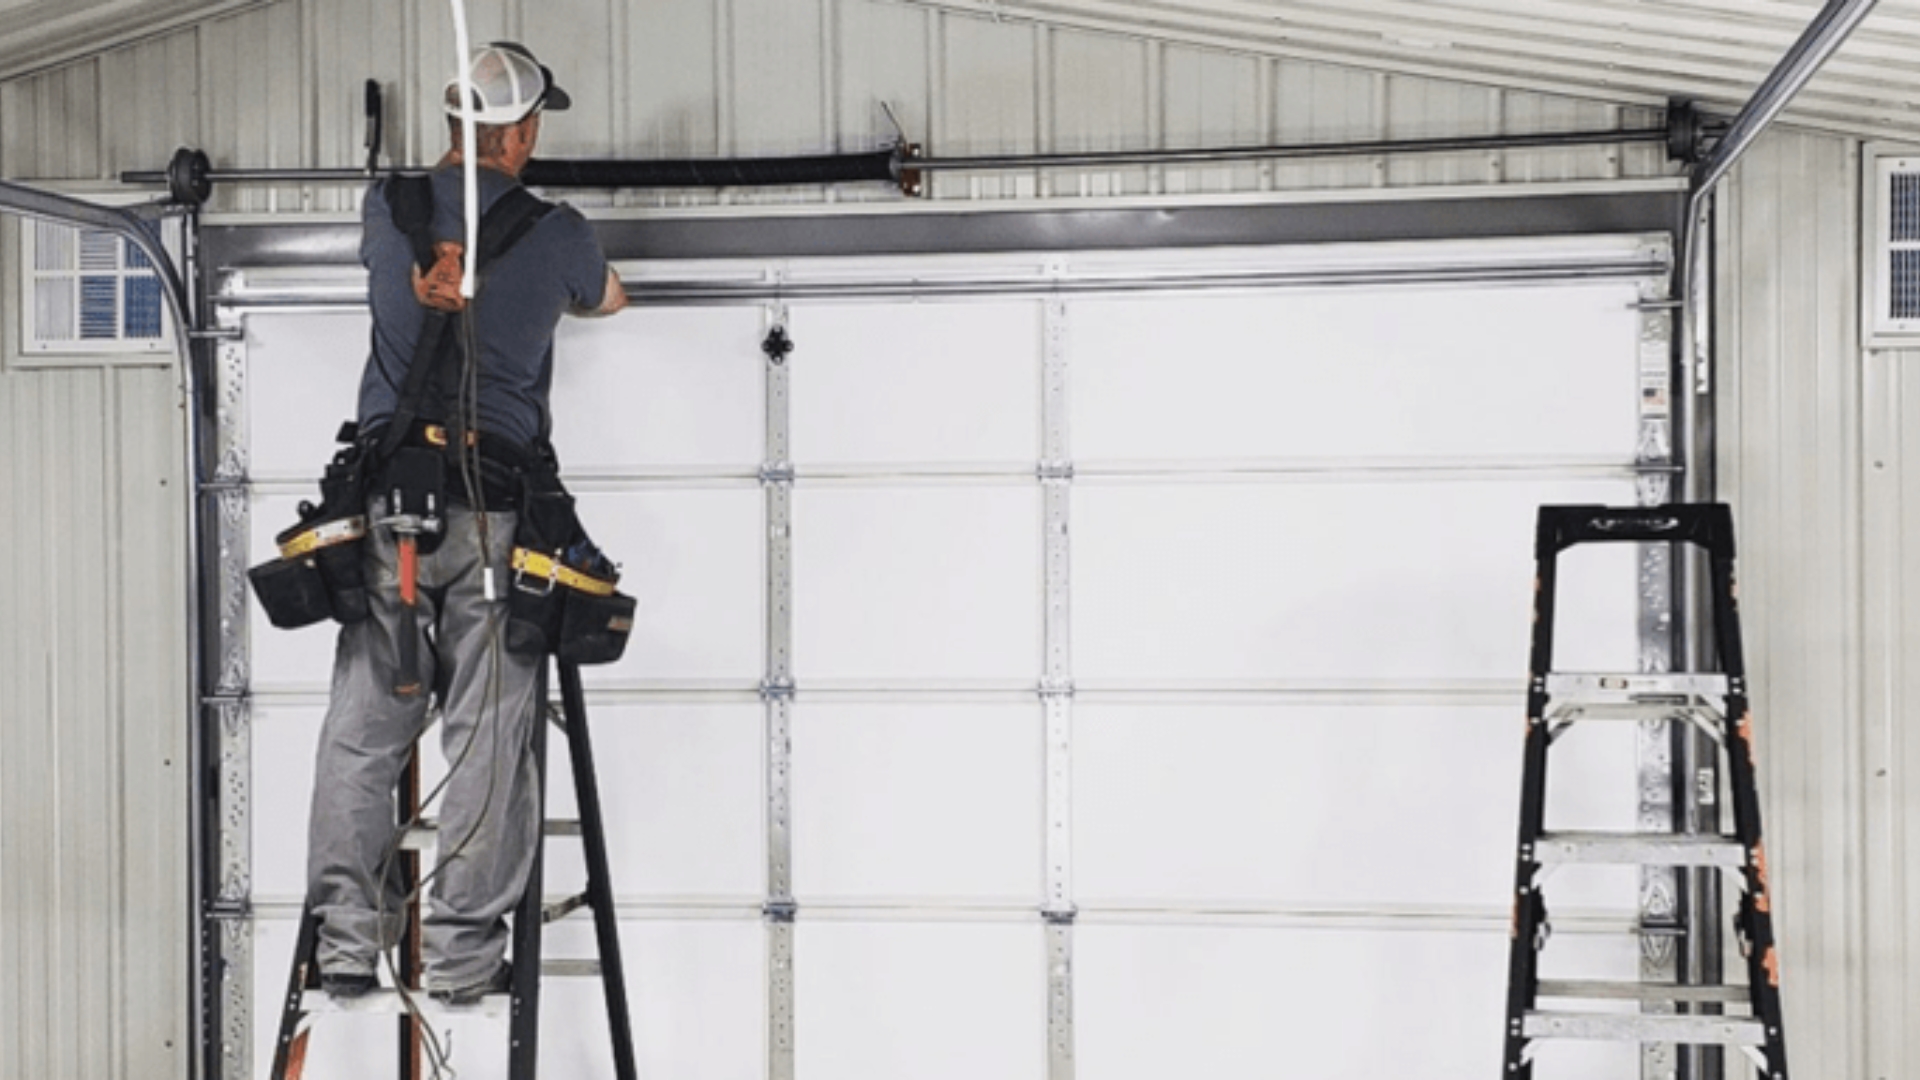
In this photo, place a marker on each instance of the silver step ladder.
(1714, 702)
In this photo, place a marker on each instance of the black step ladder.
(304, 997)
(1715, 702)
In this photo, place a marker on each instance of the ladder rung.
(1636, 697)
(423, 835)
(570, 969)
(554, 910)
(388, 1001)
(1627, 687)
(1641, 849)
(1591, 990)
(1645, 1028)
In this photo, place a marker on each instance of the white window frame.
(16, 259)
(1878, 327)
(30, 276)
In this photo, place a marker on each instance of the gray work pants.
(489, 814)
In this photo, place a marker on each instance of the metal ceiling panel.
(39, 34)
(1621, 51)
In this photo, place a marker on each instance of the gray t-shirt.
(556, 266)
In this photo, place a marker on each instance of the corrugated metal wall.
(1890, 743)
(280, 86)
(94, 870)
(1817, 450)
(1827, 689)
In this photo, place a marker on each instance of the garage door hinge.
(779, 472)
(1050, 688)
(1055, 916)
(1055, 470)
(218, 333)
(776, 690)
(780, 911)
(230, 910)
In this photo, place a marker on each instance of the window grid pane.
(99, 307)
(142, 321)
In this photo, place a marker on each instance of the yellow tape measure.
(533, 564)
(326, 534)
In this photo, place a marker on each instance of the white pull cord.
(470, 168)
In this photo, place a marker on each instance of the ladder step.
(424, 835)
(386, 1001)
(1651, 993)
(1636, 697)
(1646, 1028)
(570, 969)
(1642, 849)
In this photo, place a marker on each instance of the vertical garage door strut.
(521, 1001)
(1715, 703)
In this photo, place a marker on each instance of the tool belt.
(321, 571)
(563, 598)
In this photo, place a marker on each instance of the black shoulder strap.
(511, 217)
(411, 200)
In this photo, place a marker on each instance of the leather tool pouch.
(321, 572)
(563, 598)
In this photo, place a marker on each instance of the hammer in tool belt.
(415, 485)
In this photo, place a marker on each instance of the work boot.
(499, 982)
(347, 985)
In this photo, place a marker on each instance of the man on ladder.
(452, 421)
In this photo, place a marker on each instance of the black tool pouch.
(563, 600)
(321, 572)
(343, 494)
(595, 628)
(292, 592)
(414, 480)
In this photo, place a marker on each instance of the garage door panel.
(1352, 806)
(303, 379)
(934, 1001)
(695, 993)
(1331, 581)
(936, 582)
(1300, 526)
(693, 559)
(1422, 371)
(680, 786)
(935, 382)
(654, 388)
(938, 802)
(285, 738)
(681, 790)
(1154, 1001)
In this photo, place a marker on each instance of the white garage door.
(1116, 659)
